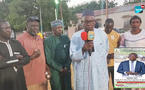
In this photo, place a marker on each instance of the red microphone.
(84, 36)
(88, 37)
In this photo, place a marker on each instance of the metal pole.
(62, 17)
(106, 8)
(41, 21)
(56, 3)
(55, 14)
(57, 11)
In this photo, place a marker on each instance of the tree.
(16, 11)
(66, 16)
(19, 10)
(133, 2)
(48, 13)
(111, 4)
(4, 10)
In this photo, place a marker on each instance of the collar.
(4, 42)
(133, 61)
(56, 36)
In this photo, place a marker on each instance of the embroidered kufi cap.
(55, 23)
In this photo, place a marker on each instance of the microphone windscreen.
(84, 36)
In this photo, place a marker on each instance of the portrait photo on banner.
(129, 67)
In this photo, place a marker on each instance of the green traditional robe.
(57, 56)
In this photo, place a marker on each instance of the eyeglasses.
(6, 29)
(89, 21)
(132, 56)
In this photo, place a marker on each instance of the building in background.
(120, 14)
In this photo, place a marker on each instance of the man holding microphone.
(90, 67)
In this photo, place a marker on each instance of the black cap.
(88, 13)
(32, 18)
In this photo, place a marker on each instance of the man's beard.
(33, 34)
(88, 29)
(57, 34)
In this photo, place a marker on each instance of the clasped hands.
(131, 73)
(64, 71)
(35, 54)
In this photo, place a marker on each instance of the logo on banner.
(139, 9)
(117, 51)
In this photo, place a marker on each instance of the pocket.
(101, 49)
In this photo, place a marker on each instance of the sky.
(75, 2)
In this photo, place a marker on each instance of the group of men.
(28, 64)
(24, 64)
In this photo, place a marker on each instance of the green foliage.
(19, 11)
(16, 12)
(112, 4)
(8, 1)
(66, 15)
(48, 13)
(133, 2)
(4, 11)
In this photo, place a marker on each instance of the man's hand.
(87, 46)
(135, 73)
(108, 61)
(110, 56)
(129, 72)
(64, 71)
(19, 57)
(35, 54)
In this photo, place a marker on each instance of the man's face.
(57, 30)
(33, 28)
(135, 23)
(5, 31)
(88, 23)
(132, 57)
(108, 27)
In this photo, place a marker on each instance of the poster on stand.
(126, 74)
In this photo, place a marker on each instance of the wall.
(119, 21)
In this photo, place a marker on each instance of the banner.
(123, 76)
